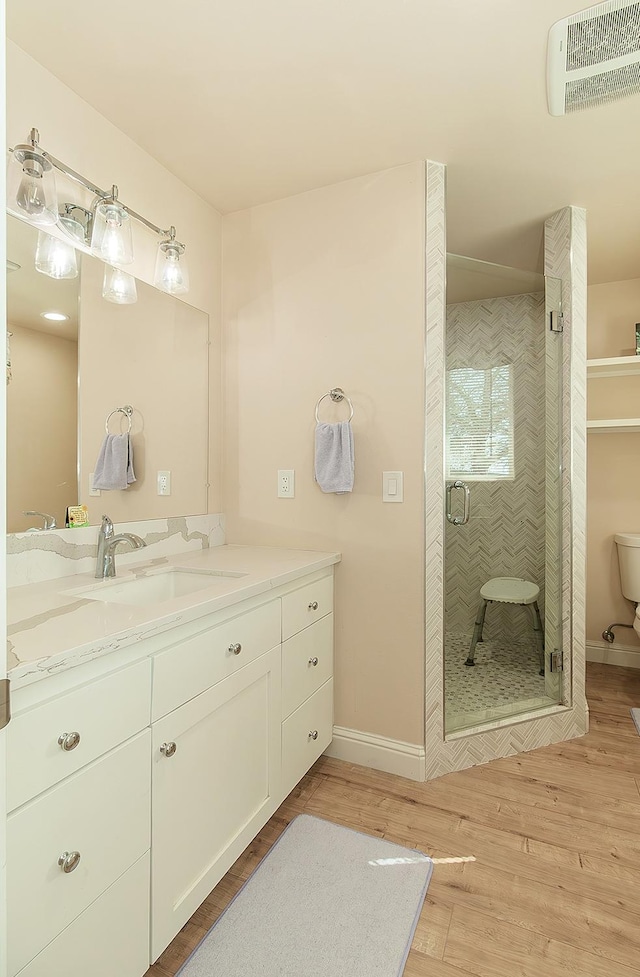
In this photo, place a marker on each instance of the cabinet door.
(214, 791)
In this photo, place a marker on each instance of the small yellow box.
(77, 515)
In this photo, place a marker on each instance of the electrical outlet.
(92, 491)
(286, 483)
(164, 483)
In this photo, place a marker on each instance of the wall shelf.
(617, 425)
(613, 366)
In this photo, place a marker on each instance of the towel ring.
(337, 394)
(127, 410)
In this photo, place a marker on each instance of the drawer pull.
(313, 734)
(68, 741)
(168, 749)
(236, 648)
(69, 861)
(313, 606)
(313, 661)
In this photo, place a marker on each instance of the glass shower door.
(504, 519)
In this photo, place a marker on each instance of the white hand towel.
(114, 467)
(334, 457)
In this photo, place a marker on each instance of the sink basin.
(154, 588)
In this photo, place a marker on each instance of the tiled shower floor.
(503, 682)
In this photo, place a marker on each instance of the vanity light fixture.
(31, 185)
(108, 228)
(172, 274)
(119, 287)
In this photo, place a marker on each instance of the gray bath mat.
(635, 715)
(325, 901)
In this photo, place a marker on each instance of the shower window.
(480, 423)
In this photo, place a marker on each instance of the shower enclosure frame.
(565, 259)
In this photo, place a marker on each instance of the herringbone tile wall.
(505, 535)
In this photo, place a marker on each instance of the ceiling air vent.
(594, 57)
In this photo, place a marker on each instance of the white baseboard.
(613, 654)
(392, 756)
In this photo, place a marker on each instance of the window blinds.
(480, 423)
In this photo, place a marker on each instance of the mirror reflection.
(42, 390)
(66, 375)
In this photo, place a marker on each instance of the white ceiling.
(248, 101)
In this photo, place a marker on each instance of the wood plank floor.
(554, 885)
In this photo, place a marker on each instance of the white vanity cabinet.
(135, 782)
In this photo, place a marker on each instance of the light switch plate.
(92, 491)
(393, 486)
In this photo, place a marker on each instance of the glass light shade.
(172, 274)
(119, 287)
(112, 240)
(31, 187)
(55, 258)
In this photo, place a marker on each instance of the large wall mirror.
(67, 375)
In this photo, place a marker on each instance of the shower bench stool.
(509, 590)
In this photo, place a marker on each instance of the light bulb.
(171, 273)
(55, 258)
(172, 278)
(112, 239)
(112, 247)
(119, 287)
(30, 196)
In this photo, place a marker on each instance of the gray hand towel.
(334, 457)
(114, 467)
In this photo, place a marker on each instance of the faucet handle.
(107, 525)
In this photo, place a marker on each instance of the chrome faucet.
(49, 520)
(107, 542)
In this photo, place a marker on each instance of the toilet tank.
(628, 545)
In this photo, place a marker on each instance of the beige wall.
(320, 290)
(153, 356)
(613, 480)
(77, 134)
(41, 427)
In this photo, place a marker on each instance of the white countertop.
(50, 630)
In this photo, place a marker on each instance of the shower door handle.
(464, 518)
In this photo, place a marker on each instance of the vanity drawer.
(189, 668)
(306, 605)
(307, 663)
(104, 714)
(103, 812)
(299, 749)
(109, 938)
